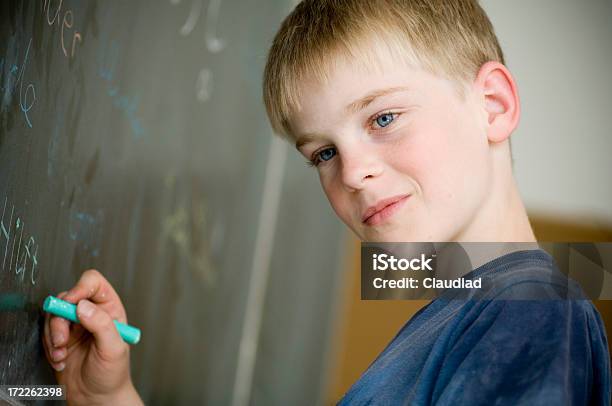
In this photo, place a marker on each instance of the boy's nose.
(358, 169)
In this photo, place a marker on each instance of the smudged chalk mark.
(85, 229)
(204, 85)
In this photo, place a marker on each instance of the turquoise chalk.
(59, 307)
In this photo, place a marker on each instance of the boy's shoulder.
(499, 350)
(522, 275)
(508, 347)
(525, 293)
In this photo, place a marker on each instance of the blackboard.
(133, 140)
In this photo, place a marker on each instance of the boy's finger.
(56, 328)
(93, 286)
(59, 331)
(101, 325)
(58, 366)
(47, 336)
(59, 354)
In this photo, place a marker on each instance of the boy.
(405, 108)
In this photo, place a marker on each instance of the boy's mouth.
(383, 209)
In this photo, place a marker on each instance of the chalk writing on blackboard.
(67, 23)
(14, 76)
(53, 15)
(16, 237)
(213, 43)
(192, 19)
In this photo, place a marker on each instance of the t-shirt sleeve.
(535, 352)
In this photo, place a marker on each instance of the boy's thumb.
(101, 325)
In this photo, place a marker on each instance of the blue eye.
(322, 156)
(385, 119)
(327, 154)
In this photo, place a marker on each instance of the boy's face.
(416, 141)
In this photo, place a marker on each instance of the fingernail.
(85, 308)
(60, 366)
(57, 339)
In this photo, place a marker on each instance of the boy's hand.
(91, 358)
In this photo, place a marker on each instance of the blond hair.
(449, 38)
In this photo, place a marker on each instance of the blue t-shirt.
(496, 350)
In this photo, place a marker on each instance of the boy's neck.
(502, 217)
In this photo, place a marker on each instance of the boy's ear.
(497, 91)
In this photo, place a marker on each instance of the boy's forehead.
(349, 87)
(351, 74)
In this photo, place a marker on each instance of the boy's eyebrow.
(370, 97)
(354, 107)
(302, 140)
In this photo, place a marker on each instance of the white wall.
(560, 53)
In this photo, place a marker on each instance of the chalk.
(59, 307)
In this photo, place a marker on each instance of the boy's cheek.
(327, 186)
(333, 194)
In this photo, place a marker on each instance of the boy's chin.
(394, 234)
(404, 233)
